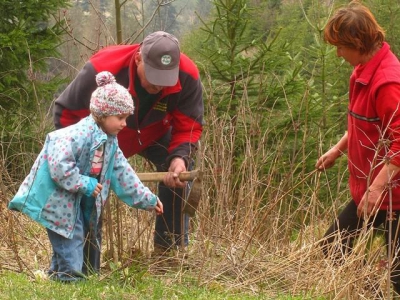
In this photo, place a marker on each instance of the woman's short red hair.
(354, 26)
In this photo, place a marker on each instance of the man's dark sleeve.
(73, 103)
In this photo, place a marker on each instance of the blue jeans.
(67, 260)
(74, 259)
(92, 248)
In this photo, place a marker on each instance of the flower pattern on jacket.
(60, 178)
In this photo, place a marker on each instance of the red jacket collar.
(364, 73)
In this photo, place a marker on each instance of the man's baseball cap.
(161, 55)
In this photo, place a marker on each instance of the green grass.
(21, 286)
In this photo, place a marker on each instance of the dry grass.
(257, 229)
(258, 226)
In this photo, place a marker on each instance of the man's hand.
(175, 168)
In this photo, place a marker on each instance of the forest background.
(275, 99)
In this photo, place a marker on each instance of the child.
(70, 180)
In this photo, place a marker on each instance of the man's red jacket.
(179, 108)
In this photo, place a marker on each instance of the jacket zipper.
(146, 116)
(138, 131)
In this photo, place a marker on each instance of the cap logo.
(166, 60)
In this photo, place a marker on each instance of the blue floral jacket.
(59, 179)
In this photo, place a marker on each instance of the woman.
(372, 140)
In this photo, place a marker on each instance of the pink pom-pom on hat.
(104, 78)
(110, 98)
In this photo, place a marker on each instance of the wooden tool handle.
(159, 176)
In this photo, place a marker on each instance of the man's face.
(150, 88)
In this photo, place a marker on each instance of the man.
(166, 125)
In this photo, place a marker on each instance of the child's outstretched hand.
(159, 207)
(97, 190)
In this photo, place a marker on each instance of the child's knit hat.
(110, 98)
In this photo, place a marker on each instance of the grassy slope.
(20, 286)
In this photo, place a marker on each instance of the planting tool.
(193, 191)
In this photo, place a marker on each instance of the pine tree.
(29, 36)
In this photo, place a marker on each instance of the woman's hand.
(370, 203)
(328, 159)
